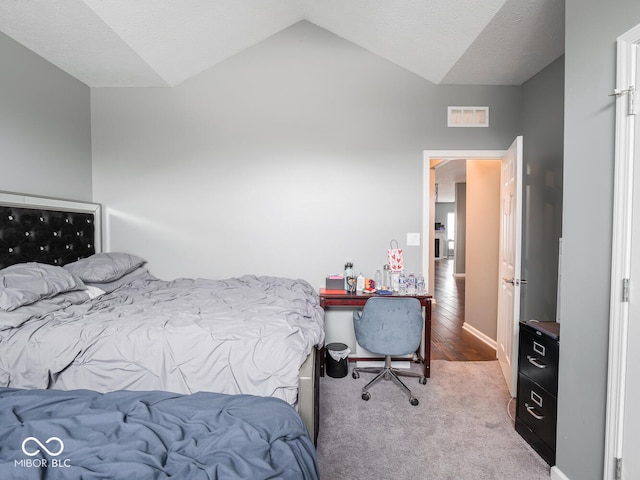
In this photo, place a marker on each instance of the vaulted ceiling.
(165, 42)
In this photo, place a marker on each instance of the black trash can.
(337, 368)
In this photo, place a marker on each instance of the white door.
(622, 442)
(631, 425)
(510, 252)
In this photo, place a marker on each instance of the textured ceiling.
(164, 42)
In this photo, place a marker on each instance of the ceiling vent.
(468, 116)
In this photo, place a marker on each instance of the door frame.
(429, 200)
(627, 45)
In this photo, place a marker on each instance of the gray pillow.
(104, 267)
(108, 287)
(26, 283)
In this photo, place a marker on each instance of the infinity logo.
(37, 451)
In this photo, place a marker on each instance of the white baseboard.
(556, 474)
(479, 335)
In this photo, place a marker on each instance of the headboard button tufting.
(46, 236)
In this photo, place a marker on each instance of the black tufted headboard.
(36, 229)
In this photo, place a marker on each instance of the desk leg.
(322, 352)
(427, 340)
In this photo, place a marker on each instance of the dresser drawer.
(538, 358)
(537, 408)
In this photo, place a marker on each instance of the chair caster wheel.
(355, 375)
(423, 381)
(366, 396)
(413, 401)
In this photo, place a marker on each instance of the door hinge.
(618, 467)
(625, 290)
(631, 98)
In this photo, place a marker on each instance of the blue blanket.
(82, 434)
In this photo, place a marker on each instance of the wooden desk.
(340, 298)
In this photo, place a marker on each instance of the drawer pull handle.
(537, 399)
(538, 348)
(532, 411)
(535, 362)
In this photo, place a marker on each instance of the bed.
(102, 322)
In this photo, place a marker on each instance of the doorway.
(454, 338)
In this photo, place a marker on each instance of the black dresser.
(537, 401)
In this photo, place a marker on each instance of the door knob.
(514, 281)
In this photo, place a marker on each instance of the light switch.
(413, 239)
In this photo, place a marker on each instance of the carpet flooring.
(461, 430)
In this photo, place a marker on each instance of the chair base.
(388, 372)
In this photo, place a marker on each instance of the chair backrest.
(389, 326)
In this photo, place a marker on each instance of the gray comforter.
(242, 335)
(150, 435)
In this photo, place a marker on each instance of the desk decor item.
(396, 259)
(349, 277)
(334, 282)
(386, 277)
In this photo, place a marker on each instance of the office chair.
(389, 326)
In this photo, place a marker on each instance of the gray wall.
(460, 259)
(543, 131)
(442, 210)
(290, 158)
(45, 133)
(592, 27)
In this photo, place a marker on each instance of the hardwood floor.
(448, 340)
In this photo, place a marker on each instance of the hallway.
(449, 340)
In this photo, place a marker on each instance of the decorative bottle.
(348, 272)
